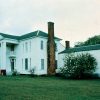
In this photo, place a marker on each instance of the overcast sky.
(75, 20)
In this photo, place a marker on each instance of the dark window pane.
(56, 64)
(41, 45)
(42, 64)
(26, 64)
(12, 47)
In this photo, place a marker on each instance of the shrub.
(78, 65)
(32, 72)
(14, 73)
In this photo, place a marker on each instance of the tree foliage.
(91, 41)
(77, 65)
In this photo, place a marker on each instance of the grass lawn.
(47, 88)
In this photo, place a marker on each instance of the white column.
(3, 55)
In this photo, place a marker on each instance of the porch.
(7, 56)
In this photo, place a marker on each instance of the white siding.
(33, 52)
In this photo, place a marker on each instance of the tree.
(91, 41)
(79, 44)
(78, 65)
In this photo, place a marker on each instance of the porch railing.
(12, 54)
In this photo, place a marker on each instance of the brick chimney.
(67, 44)
(51, 49)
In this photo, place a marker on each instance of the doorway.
(12, 61)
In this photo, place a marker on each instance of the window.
(30, 46)
(26, 63)
(41, 45)
(30, 62)
(56, 49)
(56, 64)
(23, 47)
(42, 64)
(22, 63)
(12, 47)
(26, 46)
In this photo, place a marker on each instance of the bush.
(78, 65)
(32, 72)
(14, 73)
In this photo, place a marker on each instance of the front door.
(12, 64)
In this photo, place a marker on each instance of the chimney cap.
(50, 22)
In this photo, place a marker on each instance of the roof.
(28, 35)
(9, 36)
(82, 48)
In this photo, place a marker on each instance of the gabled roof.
(36, 34)
(82, 48)
(28, 35)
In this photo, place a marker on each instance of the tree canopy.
(90, 41)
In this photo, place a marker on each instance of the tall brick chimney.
(51, 49)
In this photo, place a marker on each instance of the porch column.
(3, 55)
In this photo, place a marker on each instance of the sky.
(75, 20)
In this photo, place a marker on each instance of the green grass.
(48, 88)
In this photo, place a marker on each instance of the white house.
(36, 50)
(94, 50)
(26, 52)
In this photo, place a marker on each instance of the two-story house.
(25, 52)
